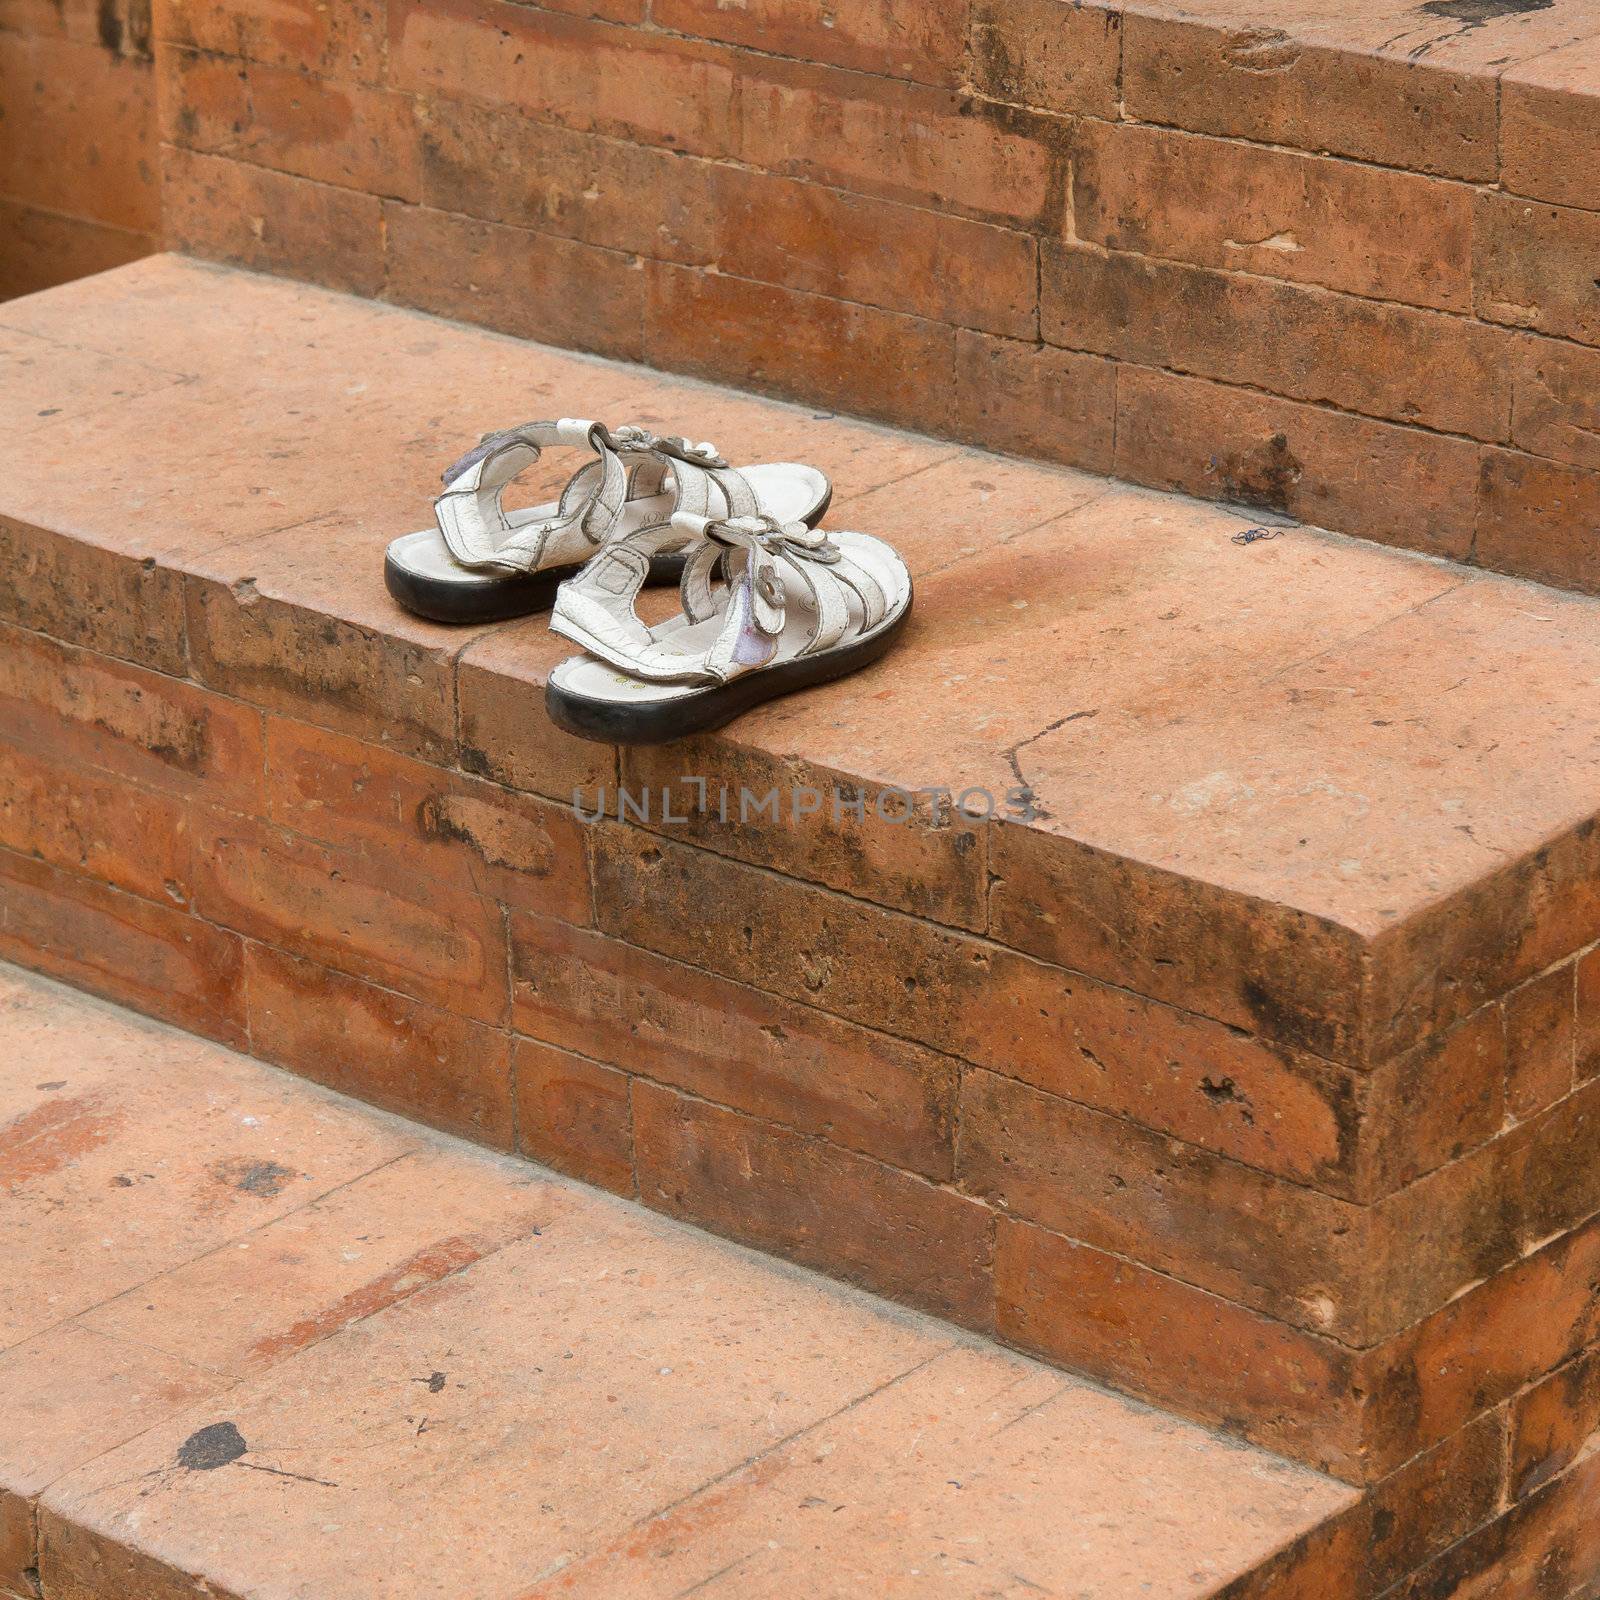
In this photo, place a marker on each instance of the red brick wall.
(79, 169)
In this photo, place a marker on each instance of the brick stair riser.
(479, 957)
(985, 228)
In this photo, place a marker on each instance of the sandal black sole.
(612, 722)
(441, 600)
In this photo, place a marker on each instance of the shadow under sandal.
(797, 607)
(482, 563)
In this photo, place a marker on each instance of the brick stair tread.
(261, 1338)
(1308, 765)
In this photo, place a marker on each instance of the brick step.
(1337, 261)
(258, 1340)
(1255, 1073)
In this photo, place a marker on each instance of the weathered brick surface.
(1546, 118)
(1224, 75)
(532, 284)
(122, 719)
(573, 1114)
(1328, 468)
(271, 221)
(741, 1047)
(1177, 1345)
(149, 956)
(113, 603)
(80, 131)
(1324, 229)
(1540, 1021)
(1274, 214)
(475, 836)
(369, 918)
(1375, 358)
(883, 1228)
(430, 1064)
(351, 135)
(1202, 1101)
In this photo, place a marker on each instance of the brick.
(1269, 969)
(1036, 400)
(1540, 1022)
(890, 1232)
(651, 88)
(152, 957)
(994, 1007)
(475, 836)
(574, 1115)
(1586, 1035)
(271, 222)
(83, 594)
(107, 714)
(1552, 1424)
(892, 38)
(1535, 519)
(1255, 81)
(1385, 361)
(818, 240)
(1431, 1502)
(1395, 1526)
(898, 141)
(1394, 236)
(1555, 410)
(1547, 108)
(44, 249)
(725, 1042)
(80, 132)
(1534, 267)
(1278, 1248)
(1054, 57)
(1483, 1347)
(370, 920)
(504, 732)
(908, 854)
(1543, 1546)
(346, 41)
(1189, 1351)
(1480, 1215)
(493, 163)
(1507, 925)
(531, 284)
(275, 641)
(427, 1064)
(96, 826)
(1434, 1103)
(875, 363)
(1326, 468)
(348, 134)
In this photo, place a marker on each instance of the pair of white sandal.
(794, 607)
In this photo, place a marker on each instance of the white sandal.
(483, 563)
(799, 607)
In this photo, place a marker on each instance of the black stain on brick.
(1263, 476)
(262, 1178)
(213, 1446)
(1477, 12)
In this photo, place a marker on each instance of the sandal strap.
(629, 463)
(761, 559)
(473, 523)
